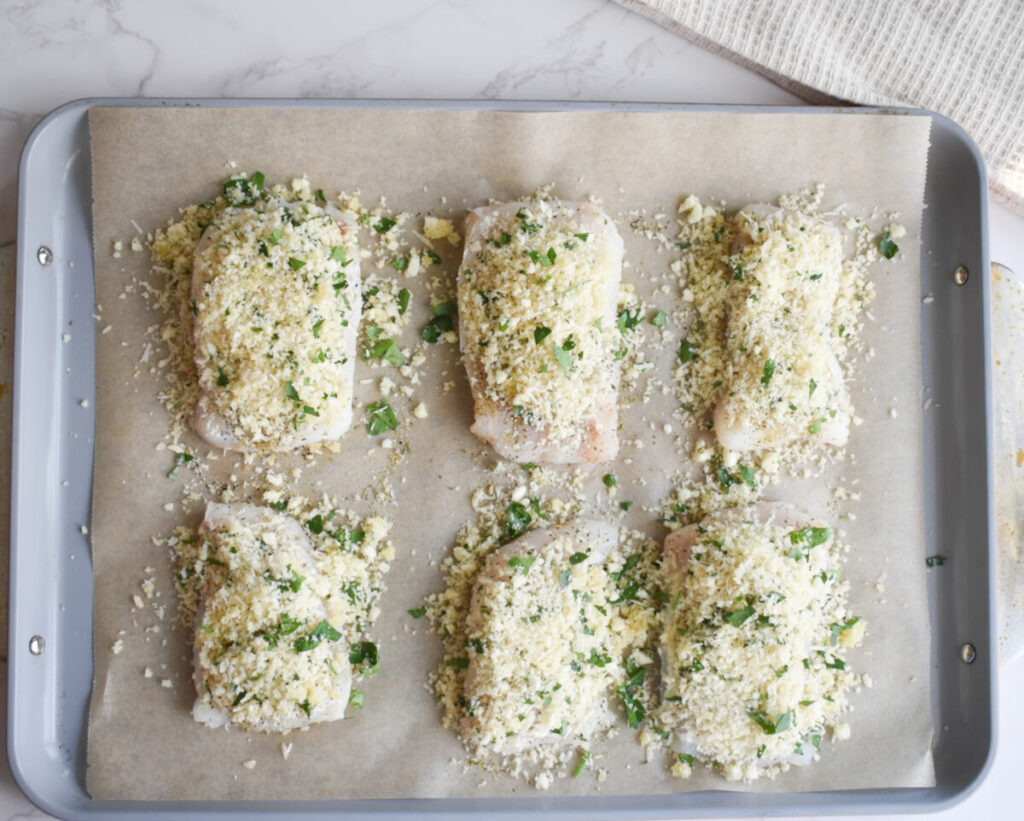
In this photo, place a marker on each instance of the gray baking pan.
(50, 651)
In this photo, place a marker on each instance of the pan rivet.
(960, 274)
(44, 255)
(36, 645)
(968, 654)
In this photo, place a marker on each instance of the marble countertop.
(53, 51)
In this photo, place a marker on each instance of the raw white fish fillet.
(260, 555)
(538, 293)
(546, 618)
(677, 552)
(740, 424)
(276, 354)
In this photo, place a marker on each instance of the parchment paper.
(149, 162)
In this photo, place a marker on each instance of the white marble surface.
(53, 51)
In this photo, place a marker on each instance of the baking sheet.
(145, 165)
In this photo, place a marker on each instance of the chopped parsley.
(222, 378)
(381, 418)
(417, 612)
(522, 564)
(687, 351)
(746, 474)
(241, 191)
(563, 357)
(935, 561)
(609, 480)
(400, 263)
(403, 300)
(519, 519)
(888, 248)
(322, 631)
(543, 260)
(179, 460)
(296, 264)
(540, 333)
(631, 692)
(388, 350)
(659, 320)
(384, 225)
(628, 320)
(524, 219)
(767, 372)
(443, 320)
(783, 722)
(364, 653)
(737, 617)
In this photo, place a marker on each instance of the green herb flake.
(460, 663)
(581, 765)
(317, 326)
(417, 612)
(384, 225)
(443, 321)
(222, 378)
(812, 386)
(659, 320)
(737, 617)
(767, 372)
(296, 264)
(687, 351)
(380, 418)
(609, 480)
(564, 358)
(522, 563)
(388, 350)
(364, 653)
(316, 524)
(540, 333)
(275, 236)
(815, 426)
(628, 320)
(291, 393)
(403, 300)
(888, 248)
(357, 698)
(519, 519)
(747, 474)
(179, 460)
(631, 692)
(625, 505)
(322, 631)
(400, 263)
(935, 561)
(576, 558)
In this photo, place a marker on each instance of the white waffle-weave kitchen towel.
(962, 58)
